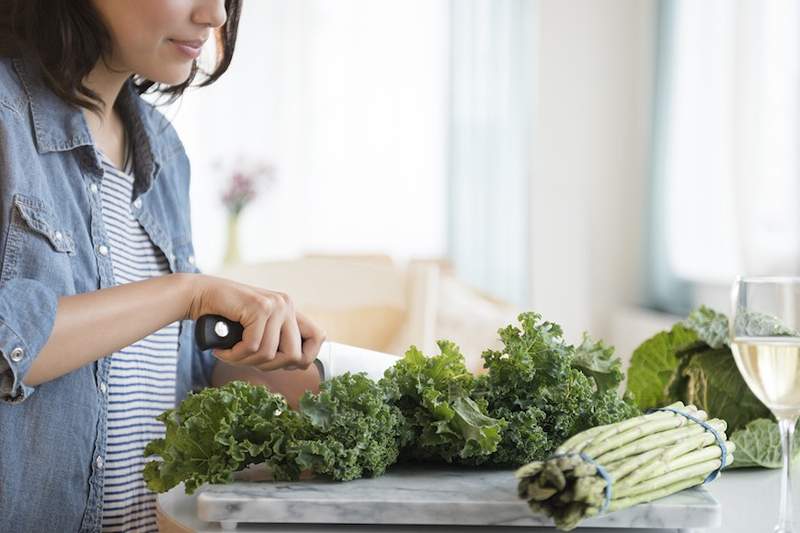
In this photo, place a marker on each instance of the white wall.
(347, 99)
(594, 79)
(362, 172)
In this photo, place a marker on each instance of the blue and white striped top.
(141, 382)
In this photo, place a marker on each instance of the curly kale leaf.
(607, 408)
(544, 392)
(433, 393)
(218, 431)
(355, 432)
(597, 361)
(524, 439)
(537, 392)
(346, 431)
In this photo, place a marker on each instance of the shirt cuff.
(27, 316)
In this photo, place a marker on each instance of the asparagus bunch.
(644, 458)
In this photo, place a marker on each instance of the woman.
(97, 278)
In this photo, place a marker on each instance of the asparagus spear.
(642, 458)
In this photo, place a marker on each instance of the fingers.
(289, 353)
(252, 336)
(313, 336)
(290, 339)
(274, 334)
(308, 337)
(256, 311)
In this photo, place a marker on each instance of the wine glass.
(766, 345)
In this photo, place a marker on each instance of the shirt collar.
(57, 125)
(60, 126)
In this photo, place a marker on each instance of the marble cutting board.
(433, 495)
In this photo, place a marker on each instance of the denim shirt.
(53, 436)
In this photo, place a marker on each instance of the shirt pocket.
(38, 245)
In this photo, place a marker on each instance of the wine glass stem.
(785, 524)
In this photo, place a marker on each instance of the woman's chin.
(173, 76)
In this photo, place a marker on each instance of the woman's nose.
(210, 13)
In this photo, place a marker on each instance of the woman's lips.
(190, 49)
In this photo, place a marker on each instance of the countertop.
(749, 500)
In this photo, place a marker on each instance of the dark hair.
(67, 38)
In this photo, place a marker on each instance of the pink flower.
(242, 186)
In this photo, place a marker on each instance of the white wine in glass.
(766, 345)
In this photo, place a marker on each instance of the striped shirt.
(141, 381)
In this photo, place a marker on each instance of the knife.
(334, 358)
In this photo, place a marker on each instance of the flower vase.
(232, 250)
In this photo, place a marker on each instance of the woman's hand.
(275, 334)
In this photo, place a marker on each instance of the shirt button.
(99, 462)
(191, 259)
(137, 203)
(103, 387)
(102, 249)
(17, 354)
(93, 188)
(58, 235)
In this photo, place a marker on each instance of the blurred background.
(410, 170)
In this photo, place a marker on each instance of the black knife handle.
(215, 331)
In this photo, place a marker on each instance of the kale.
(346, 431)
(597, 361)
(356, 432)
(537, 392)
(548, 390)
(218, 431)
(433, 393)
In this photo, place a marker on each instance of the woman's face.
(159, 39)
